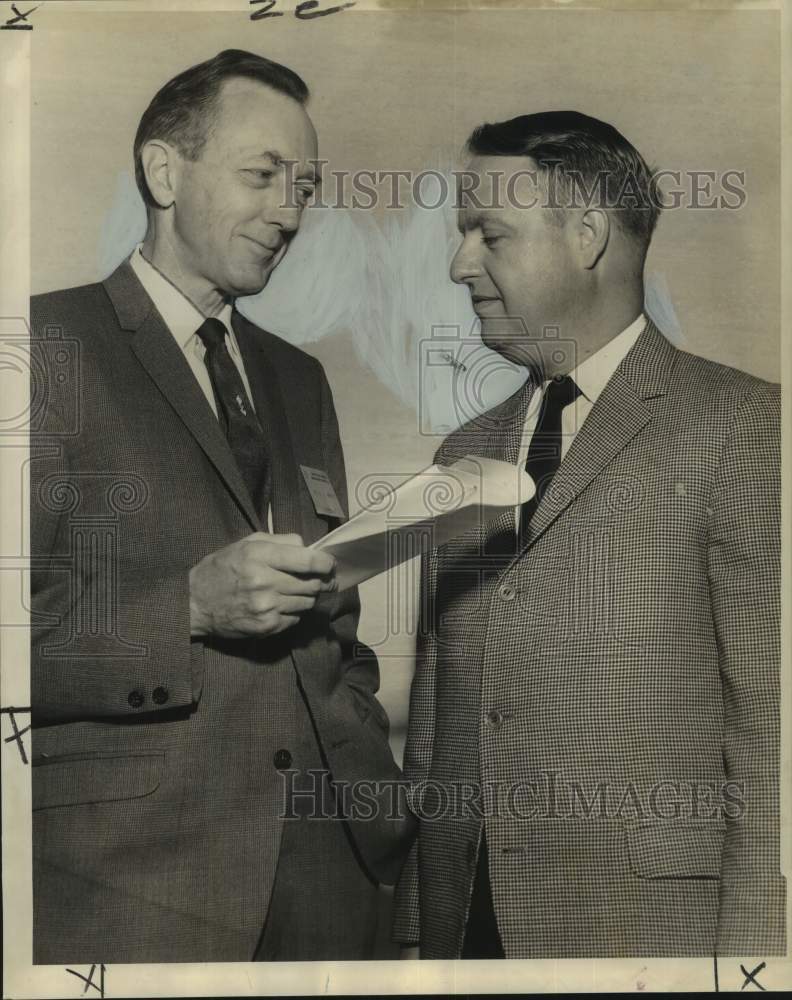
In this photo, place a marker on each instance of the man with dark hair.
(192, 663)
(594, 719)
(579, 162)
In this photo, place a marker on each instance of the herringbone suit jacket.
(159, 763)
(611, 693)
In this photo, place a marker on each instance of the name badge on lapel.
(322, 493)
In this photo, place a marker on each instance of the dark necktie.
(500, 540)
(242, 429)
(544, 452)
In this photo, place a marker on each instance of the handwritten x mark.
(18, 733)
(19, 15)
(750, 977)
(88, 980)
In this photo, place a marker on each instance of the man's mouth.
(265, 250)
(482, 301)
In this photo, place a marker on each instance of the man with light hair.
(191, 675)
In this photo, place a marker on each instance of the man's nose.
(286, 216)
(464, 266)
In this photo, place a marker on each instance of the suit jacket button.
(136, 699)
(160, 695)
(507, 593)
(495, 718)
(282, 759)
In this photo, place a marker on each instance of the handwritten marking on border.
(306, 10)
(750, 977)
(16, 736)
(88, 980)
(20, 21)
(267, 11)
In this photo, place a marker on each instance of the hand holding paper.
(435, 505)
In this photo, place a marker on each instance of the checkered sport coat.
(605, 703)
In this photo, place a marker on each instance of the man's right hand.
(257, 586)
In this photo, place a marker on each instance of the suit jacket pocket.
(81, 778)
(675, 850)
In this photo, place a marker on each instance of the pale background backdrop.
(402, 90)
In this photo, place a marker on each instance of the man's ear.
(593, 235)
(161, 163)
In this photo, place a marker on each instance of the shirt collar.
(592, 375)
(181, 317)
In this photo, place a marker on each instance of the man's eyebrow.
(271, 154)
(310, 172)
(475, 220)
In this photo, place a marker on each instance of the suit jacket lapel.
(496, 434)
(160, 355)
(269, 400)
(618, 415)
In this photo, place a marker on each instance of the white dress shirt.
(590, 376)
(183, 319)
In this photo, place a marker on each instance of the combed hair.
(183, 111)
(583, 161)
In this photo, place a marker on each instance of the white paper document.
(435, 505)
